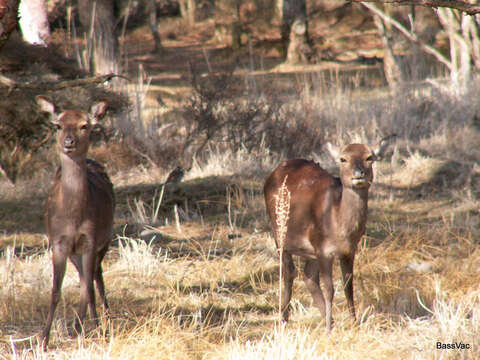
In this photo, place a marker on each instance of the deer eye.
(343, 160)
(58, 127)
(84, 127)
(370, 158)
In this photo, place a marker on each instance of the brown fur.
(79, 211)
(327, 219)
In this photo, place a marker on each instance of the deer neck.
(74, 182)
(352, 213)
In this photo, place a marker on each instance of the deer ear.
(333, 150)
(382, 146)
(46, 106)
(97, 111)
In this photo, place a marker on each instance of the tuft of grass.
(147, 214)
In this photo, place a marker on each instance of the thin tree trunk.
(294, 31)
(460, 54)
(475, 34)
(236, 27)
(187, 10)
(392, 71)
(152, 11)
(98, 21)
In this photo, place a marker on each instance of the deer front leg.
(326, 276)
(59, 260)
(87, 294)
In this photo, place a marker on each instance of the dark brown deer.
(79, 210)
(327, 218)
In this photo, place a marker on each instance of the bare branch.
(57, 85)
(411, 36)
(464, 6)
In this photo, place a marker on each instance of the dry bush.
(219, 116)
(24, 132)
(21, 134)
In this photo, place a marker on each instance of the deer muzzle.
(359, 179)
(69, 144)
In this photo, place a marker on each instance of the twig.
(465, 6)
(411, 36)
(145, 156)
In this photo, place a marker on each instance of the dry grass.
(218, 301)
(202, 294)
(193, 273)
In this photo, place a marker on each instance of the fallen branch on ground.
(12, 84)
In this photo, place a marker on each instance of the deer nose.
(69, 141)
(358, 173)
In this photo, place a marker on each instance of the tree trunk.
(455, 25)
(236, 27)
(8, 19)
(294, 31)
(98, 21)
(152, 11)
(392, 71)
(34, 21)
(187, 10)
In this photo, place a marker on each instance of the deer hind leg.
(98, 277)
(346, 264)
(288, 275)
(77, 261)
(312, 282)
(325, 266)
(59, 267)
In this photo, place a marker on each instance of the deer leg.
(312, 282)
(346, 263)
(288, 275)
(87, 295)
(101, 285)
(89, 267)
(76, 260)
(98, 277)
(326, 277)
(59, 267)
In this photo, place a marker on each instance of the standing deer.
(327, 218)
(79, 210)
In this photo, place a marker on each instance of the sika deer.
(79, 210)
(327, 218)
